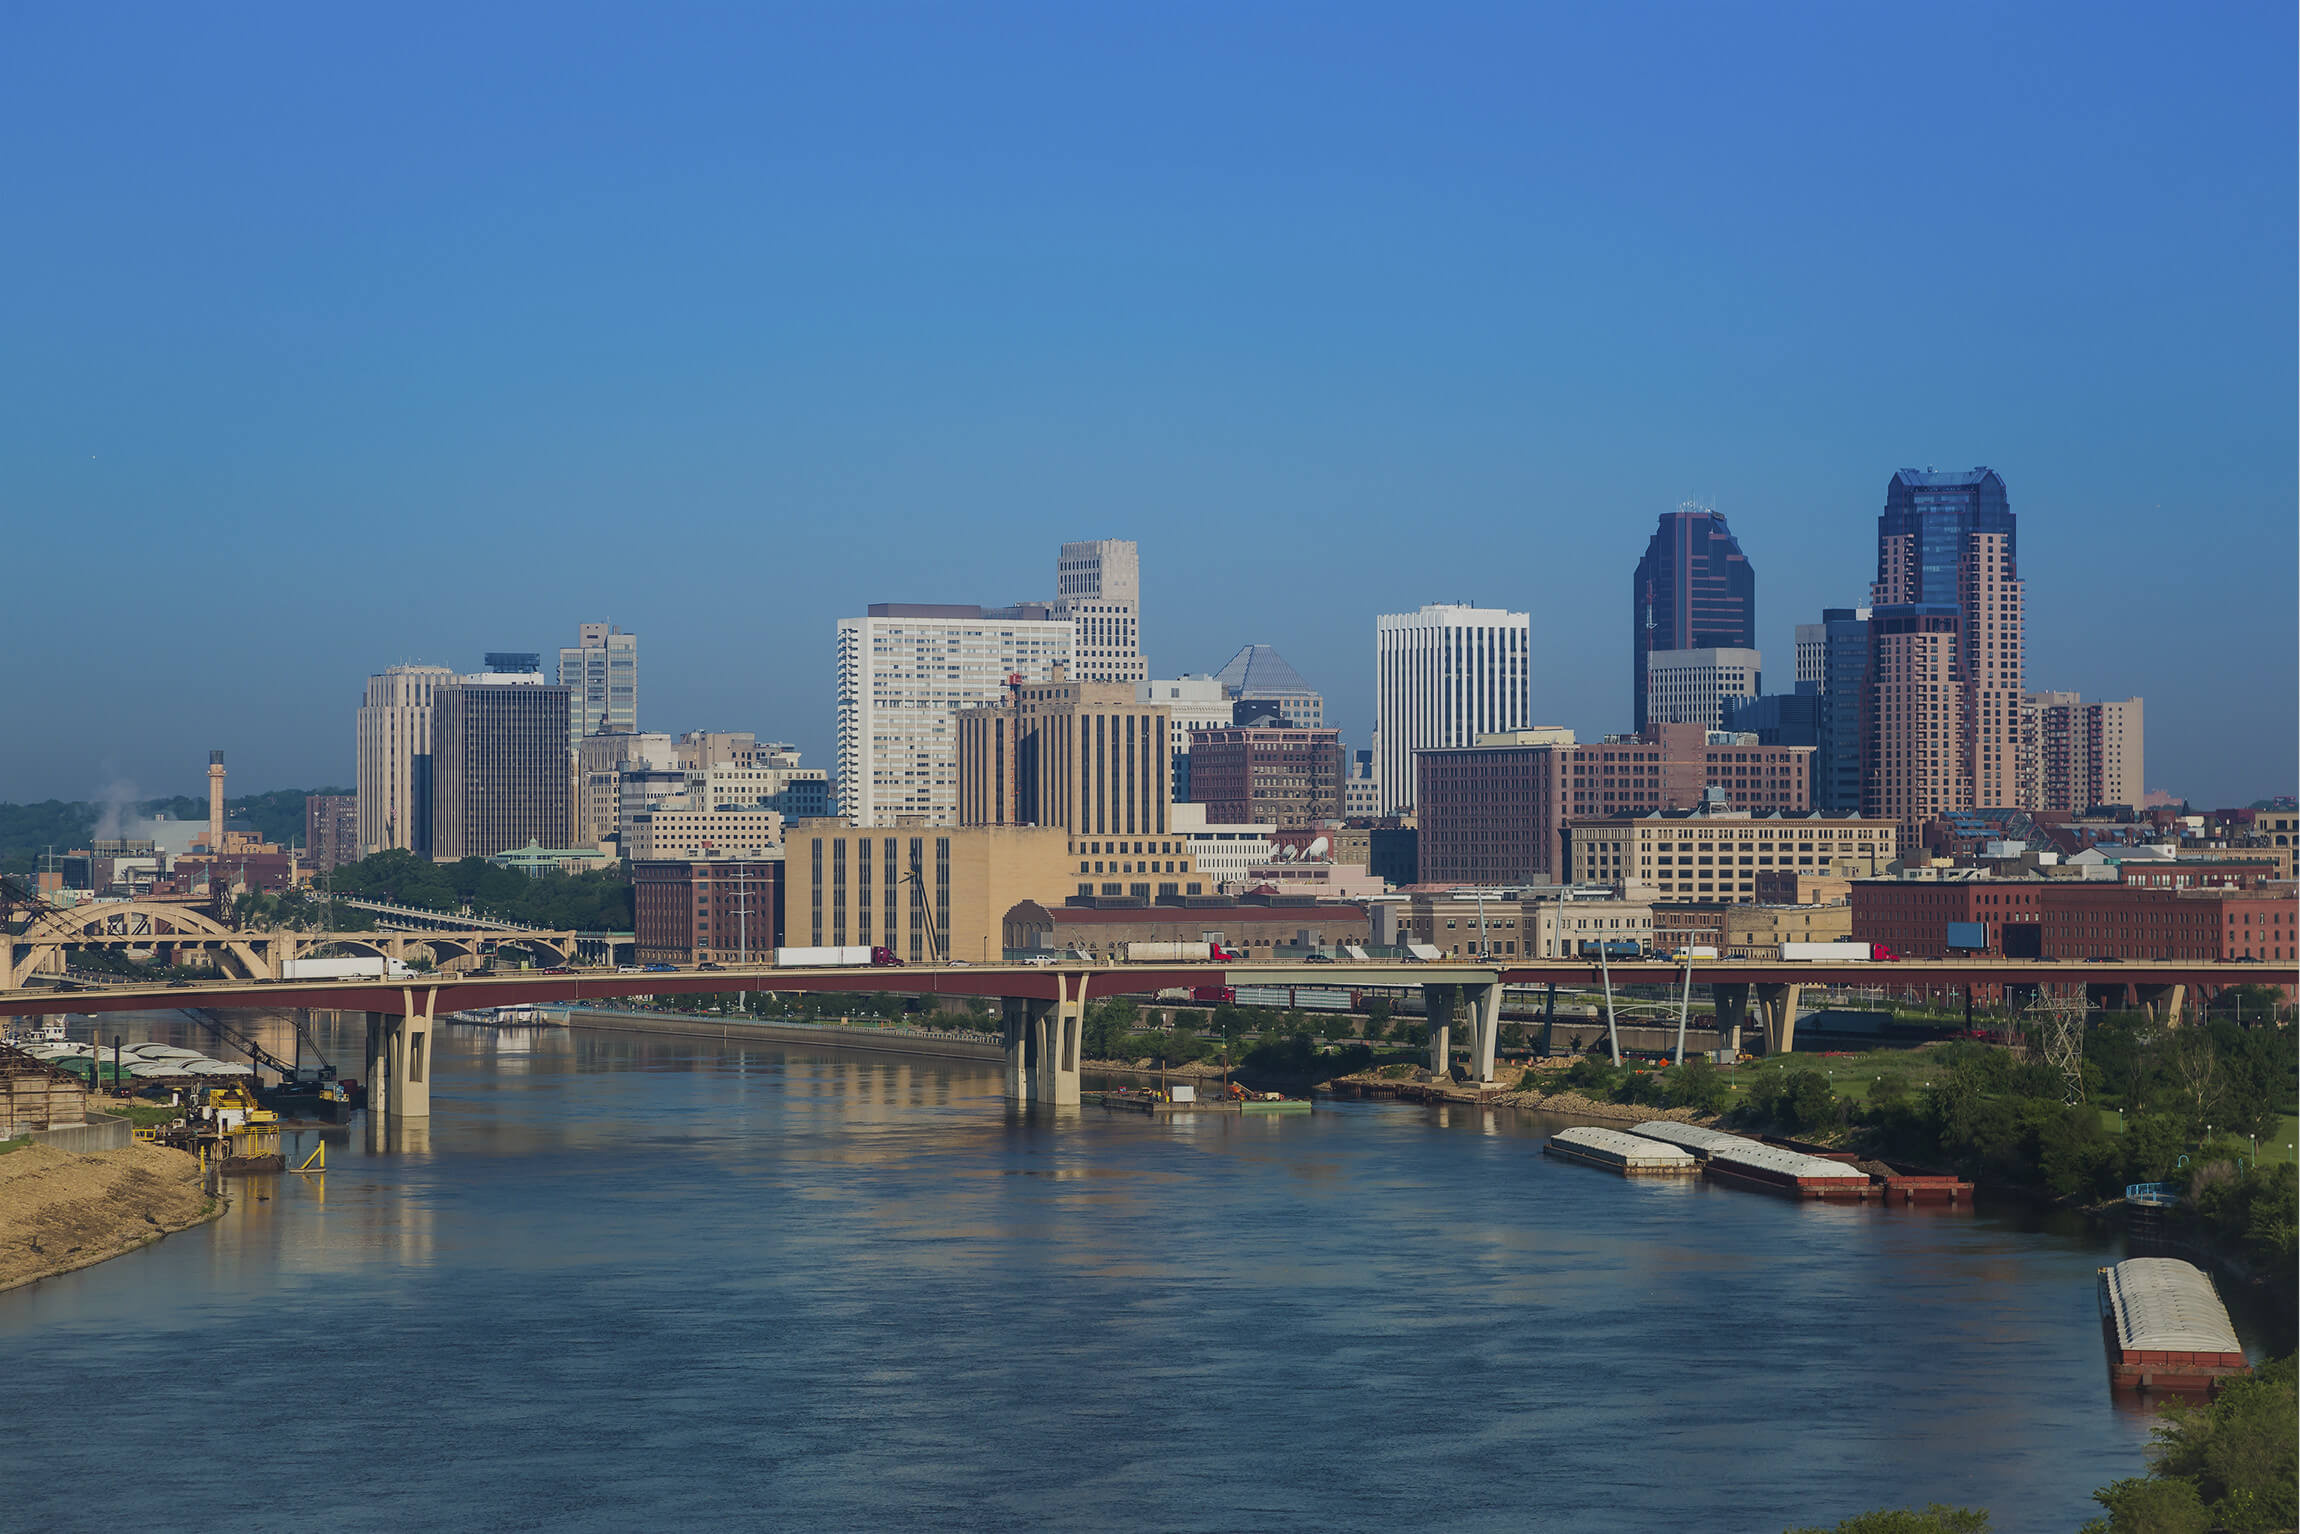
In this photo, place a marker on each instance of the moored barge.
(1616, 1151)
(2165, 1327)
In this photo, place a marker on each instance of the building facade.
(1274, 776)
(1258, 674)
(905, 672)
(1699, 686)
(601, 674)
(1444, 677)
(330, 831)
(1946, 649)
(499, 767)
(1722, 855)
(675, 830)
(721, 912)
(1693, 590)
(1258, 927)
(1098, 590)
(1844, 699)
(908, 887)
(394, 758)
(2076, 919)
(1496, 813)
(1086, 757)
(2076, 756)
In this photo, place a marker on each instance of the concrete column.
(2162, 1003)
(1437, 1011)
(411, 1061)
(1779, 1004)
(1021, 1017)
(1059, 1035)
(1732, 1004)
(378, 1064)
(1485, 1022)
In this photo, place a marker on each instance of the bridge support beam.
(2163, 1003)
(1779, 1004)
(1021, 1019)
(1437, 1010)
(1485, 1029)
(411, 1060)
(378, 1065)
(1732, 1004)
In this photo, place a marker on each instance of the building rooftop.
(1259, 670)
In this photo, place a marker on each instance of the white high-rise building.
(394, 758)
(601, 674)
(1691, 686)
(1098, 588)
(904, 672)
(1443, 676)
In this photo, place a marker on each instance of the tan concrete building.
(1258, 927)
(899, 887)
(499, 765)
(394, 756)
(1510, 923)
(1719, 854)
(673, 832)
(2075, 755)
(1088, 757)
(1758, 931)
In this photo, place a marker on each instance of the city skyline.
(1219, 339)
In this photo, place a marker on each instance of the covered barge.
(1793, 1174)
(2165, 1327)
(1617, 1151)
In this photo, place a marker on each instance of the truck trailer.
(1838, 953)
(361, 967)
(1172, 953)
(836, 958)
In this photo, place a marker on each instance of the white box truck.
(834, 958)
(365, 967)
(1165, 953)
(1834, 953)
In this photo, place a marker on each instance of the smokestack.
(215, 801)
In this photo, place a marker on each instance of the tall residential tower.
(601, 674)
(1694, 590)
(394, 756)
(1098, 587)
(1941, 729)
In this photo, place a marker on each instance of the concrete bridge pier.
(1485, 1029)
(2163, 1003)
(1022, 1021)
(1437, 1011)
(1779, 1005)
(1732, 1004)
(1044, 1039)
(378, 1065)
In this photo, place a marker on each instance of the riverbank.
(60, 1211)
(1421, 1087)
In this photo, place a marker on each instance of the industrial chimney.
(215, 802)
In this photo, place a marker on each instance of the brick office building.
(728, 912)
(1267, 775)
(2076, 919)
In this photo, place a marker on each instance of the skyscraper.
(2076, 755)
(1942, 722)
(904, 672)
(1696, 686)
(1444, 676)
(1098, 587)
(601, 674)
(1844, 681)
(1694, 590)
(499, 768)
(394, 758)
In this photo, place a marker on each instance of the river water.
(626, 1282)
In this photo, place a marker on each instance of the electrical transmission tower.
(2058, 1022)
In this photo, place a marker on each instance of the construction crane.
(923, 910)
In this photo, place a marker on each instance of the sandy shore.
(60, 1211)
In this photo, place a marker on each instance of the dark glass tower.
(1694, 590)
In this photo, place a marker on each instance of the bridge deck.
(450, 992)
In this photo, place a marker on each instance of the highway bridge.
(1044, 1004)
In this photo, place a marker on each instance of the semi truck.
(1173, 953)
(365, 967)
(836, 958)
(1838, 953)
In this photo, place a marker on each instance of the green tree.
(1377, 1018)
(2147, 1504)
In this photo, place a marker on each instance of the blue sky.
(339, 339)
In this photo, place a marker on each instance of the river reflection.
(625, 1279)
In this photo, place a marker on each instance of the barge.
(1885, 1182)
(1792, 1174)
(1617, 1151)
(2165, 1327)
